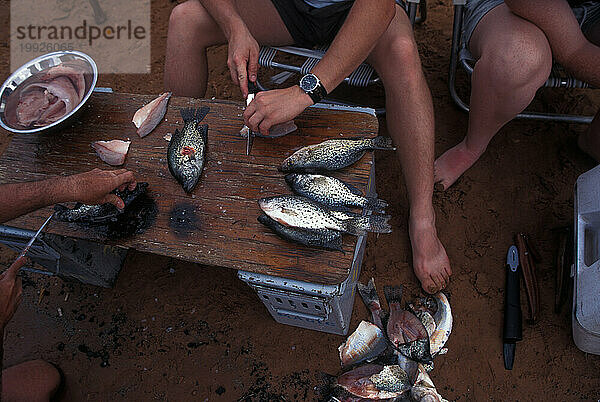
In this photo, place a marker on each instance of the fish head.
(297, 160)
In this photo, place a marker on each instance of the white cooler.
(586, 270)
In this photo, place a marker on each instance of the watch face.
(309, 82)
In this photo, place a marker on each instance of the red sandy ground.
(171, 330)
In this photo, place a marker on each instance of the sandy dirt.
(171, 330)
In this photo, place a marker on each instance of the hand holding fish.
(10, 291)
(274, 107)
(242, 59)
(96, 186)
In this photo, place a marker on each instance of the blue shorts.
(587, 15)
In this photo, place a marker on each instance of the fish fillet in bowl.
(46, 91)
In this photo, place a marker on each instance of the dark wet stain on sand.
(184, 220)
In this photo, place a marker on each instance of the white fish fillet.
(112, 152)
(147, 117)
(366, 343)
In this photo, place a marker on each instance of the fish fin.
(193, 114)
(187, 114)
(371, 223)
(356, 226)
(375, 204)
(379, 223)
(353, 189)
(204, 131)
(384, 143)
(393, 294)
(201, 113)
(60, 210)
(367, 292)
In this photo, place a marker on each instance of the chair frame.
(461, 55)
(363, 76)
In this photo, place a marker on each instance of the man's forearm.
(366, 22)
(21, 198)
(225, 14)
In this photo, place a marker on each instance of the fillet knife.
(35, 236)
(513, 331)
(252, 90)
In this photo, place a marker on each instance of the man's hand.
(274, 107)
(242, 58)
(10, 292)
(96, 186)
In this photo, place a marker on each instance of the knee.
(521, 60)
(190, 17)
(399, 58)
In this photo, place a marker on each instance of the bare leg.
(192, 30)
(411, 125)
(514, 60)
(30, 381)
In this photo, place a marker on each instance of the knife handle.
(512, 307)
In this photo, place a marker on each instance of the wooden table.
(220, 227)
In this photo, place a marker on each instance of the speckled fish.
(333, 154)
(331, 192)
(300, 212)
(187, 148)
(389, 383)
(369, 296)
(365, 344)
(98, 214)
(404, 329)
(322, 238)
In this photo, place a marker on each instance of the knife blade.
(253, 89)
(250, 138)
(35, 236)
(512, 332)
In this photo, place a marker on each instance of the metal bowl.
(33, 67)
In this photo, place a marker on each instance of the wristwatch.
(311, 84)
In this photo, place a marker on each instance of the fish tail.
(375, 204)
(193, 114)
(393, 294)
(368, 293)
(384, 143)
(369, 223)
(60, 210)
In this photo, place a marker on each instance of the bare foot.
(430, 262)
(453, 163)
(586, 144)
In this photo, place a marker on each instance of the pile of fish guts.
(390, 357)
(320, 212)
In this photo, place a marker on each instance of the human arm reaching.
(366, 22)
(93, 187)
